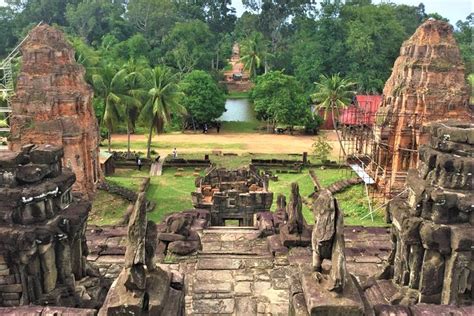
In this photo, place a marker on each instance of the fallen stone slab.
(184, 248)
(170, 237)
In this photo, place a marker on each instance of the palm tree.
(253, 53)
(332, 94)
(162, 95)
(107, 82)
(130, 97)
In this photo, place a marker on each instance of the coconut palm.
(130, 96)
(254, 53)
(107, 81)
(162, 99)
(332, 94)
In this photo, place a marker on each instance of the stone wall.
(42, 231)
(53, 105)
(433, 229)
(232, 195)
(427, 84)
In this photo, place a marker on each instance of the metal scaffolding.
(385, 145)
(7, 88)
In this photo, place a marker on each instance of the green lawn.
(173, 193)
(241, 127)
(107, 209)
(141, 145)
(237, 95)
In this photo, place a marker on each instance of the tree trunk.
(148, 145)
(109, 137)
(337, 131)
(128, 141)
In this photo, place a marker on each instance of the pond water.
(238, 110)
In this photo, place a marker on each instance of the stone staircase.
(235, 274)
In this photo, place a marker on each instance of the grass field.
(237, 95)
(241, 127)
(173, 194)
(141, 145)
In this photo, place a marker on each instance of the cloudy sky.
(454, 10)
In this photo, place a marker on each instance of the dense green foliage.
(298, 39)
(203, 99)
(279, 99)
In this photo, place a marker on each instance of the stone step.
(226, 229)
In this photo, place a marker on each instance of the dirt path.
(236, 142)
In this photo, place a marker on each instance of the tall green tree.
(130, 94)
(333, 93)
(374, 37)
(153, 18)
(254, 53)
(279, 99)
(189, 46)
(108, 82)
(8, 40)
(92, 20)
(162, 99)
(464, 36)
(203, 99)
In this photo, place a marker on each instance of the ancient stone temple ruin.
(427, 84)
(42, 231)
(142, 288)
(53, 105)
(433, 229)
(232, 195)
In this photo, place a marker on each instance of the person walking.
(175, 153)
(139, 163)
(218, 127)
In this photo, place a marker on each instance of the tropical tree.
(107, 82)
(130, 95)
(332, 94)
(254, 53)
(203, 100)
(162, 99)
(279, 99)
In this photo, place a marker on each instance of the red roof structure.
(361, 112)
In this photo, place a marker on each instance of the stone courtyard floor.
(235, 273)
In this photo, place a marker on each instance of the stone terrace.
(235, 273)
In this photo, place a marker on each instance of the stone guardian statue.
(328, 239)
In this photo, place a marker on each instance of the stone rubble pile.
(178, 233)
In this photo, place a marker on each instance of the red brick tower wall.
(427, 84)
(53, 104)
